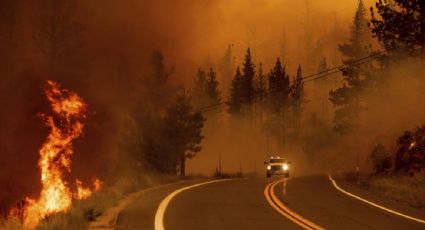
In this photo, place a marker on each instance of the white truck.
(277, 166)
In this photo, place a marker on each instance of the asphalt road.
(242, 204)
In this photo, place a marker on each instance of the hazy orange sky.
(193, 33)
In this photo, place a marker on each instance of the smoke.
(118, 39)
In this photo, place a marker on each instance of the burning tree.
(410, 157)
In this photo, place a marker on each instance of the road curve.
(242, 204)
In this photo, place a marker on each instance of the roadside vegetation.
(85, 211)
(401, 188)
(399, 174)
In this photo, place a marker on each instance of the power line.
(305, 79)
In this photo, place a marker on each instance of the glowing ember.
(412, 145)
(66, 125)
(97, 184)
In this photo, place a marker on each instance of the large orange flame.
(66, 124)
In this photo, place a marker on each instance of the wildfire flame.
(412, 145)
(82, 193)
(66, 124)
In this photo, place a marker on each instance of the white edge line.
(159, 215)
(374, 204)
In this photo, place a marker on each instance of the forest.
(180, 94)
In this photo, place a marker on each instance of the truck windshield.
(277, 160)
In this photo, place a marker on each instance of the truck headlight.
(285, 167)
(269, 167)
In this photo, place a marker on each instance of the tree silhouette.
(401, 26)
(248, 74)
(212, 90)
(297, 96)
(235, 101)
(278, 102)
(199, 90)
(182, 130)
(206, 92)
(169, 141)
(347, 99)
(260, 85)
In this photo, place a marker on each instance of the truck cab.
(277, 166)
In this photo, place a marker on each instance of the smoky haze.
(108, 67)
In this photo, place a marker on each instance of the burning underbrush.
(408, 160)
(399, 172)
(66, 123)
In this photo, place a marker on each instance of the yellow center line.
(285, 211)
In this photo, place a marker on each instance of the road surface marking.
(159, 215)
(374, 204)
(285, 211)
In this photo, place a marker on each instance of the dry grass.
(85, 211)
(405, 189)
(10, 224)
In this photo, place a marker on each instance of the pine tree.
(260, 97)
(236, 96)
(248, 74)
(279, 87)
(199, 89)
(347, 99)
(212, 90)
(182, 127)
(401, 26)
(260, 85)
(206, 91)
(297, 96)
(278, 102)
